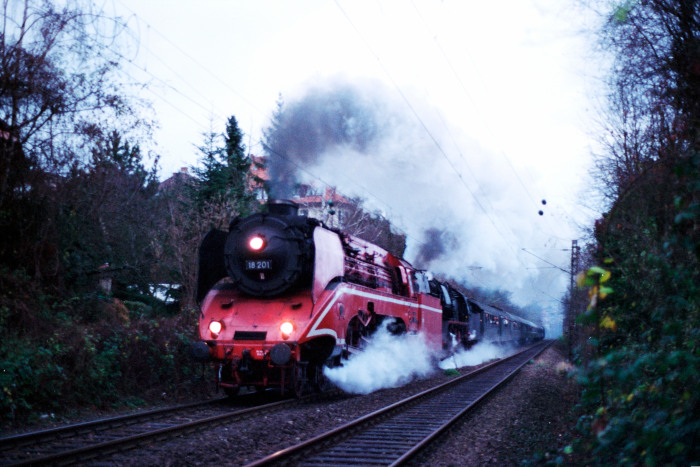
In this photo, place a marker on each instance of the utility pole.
(574, 260)
(575, 253)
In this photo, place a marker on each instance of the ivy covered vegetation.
(638, 341)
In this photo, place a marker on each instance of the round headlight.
(256, 243)
(286, 329)
(215, 327)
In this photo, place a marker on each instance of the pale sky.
(506, 89)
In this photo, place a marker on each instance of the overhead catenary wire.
(489, 129)
(198, 63)
(466, 91)
(542, 259)
(509, 243)
(143, 69)
(212, 108)
(425, 128)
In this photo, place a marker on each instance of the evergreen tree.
(60, 88)
(280, 167)
(238, 165)
(106, 216)
(210, 183)
(224, 173)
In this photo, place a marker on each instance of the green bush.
(640, 393)
(65, 362)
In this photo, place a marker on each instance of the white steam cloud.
(476, 355)
(388, 361)
(391, 361)
(432, 180)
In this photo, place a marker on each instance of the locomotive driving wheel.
(319, 380)
(232, 392)
(299, 378)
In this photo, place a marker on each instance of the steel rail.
(468, 408)
(121, 442)
(36, 437)
(381, 442)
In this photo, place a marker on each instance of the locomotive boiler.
(282, 295)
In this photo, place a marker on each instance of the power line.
(471, 99)
(464, 88)
(542, 259)
(424, 126)
(210, 109)
(403, 96)
(197, 62)
(178, 91)
(122, 58)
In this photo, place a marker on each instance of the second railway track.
(84, 441)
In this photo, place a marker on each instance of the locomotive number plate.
(258, 265)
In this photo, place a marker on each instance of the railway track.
(397, 433)
(86, 441)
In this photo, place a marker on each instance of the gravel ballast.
(528, 418)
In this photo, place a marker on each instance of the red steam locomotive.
(282, 295)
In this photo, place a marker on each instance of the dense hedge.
(61, 355)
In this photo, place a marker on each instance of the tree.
(238, 164)
(282, 168)
(106, 216)
(220, 190)
(76, 193)
(60, 80)
(654, 98)
(372, 227)
(210, 184)
(183, 227)
(645, 339)
(60, 88)
(655, 124)
(225, 173)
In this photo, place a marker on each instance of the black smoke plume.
(436, 243)
(324, 118)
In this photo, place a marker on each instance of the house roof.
(175, 181)
(328, 195)
(258, 167)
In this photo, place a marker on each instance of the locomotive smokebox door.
(263, 255)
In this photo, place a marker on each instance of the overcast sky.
(491, 105)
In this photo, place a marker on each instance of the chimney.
(282, 207)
